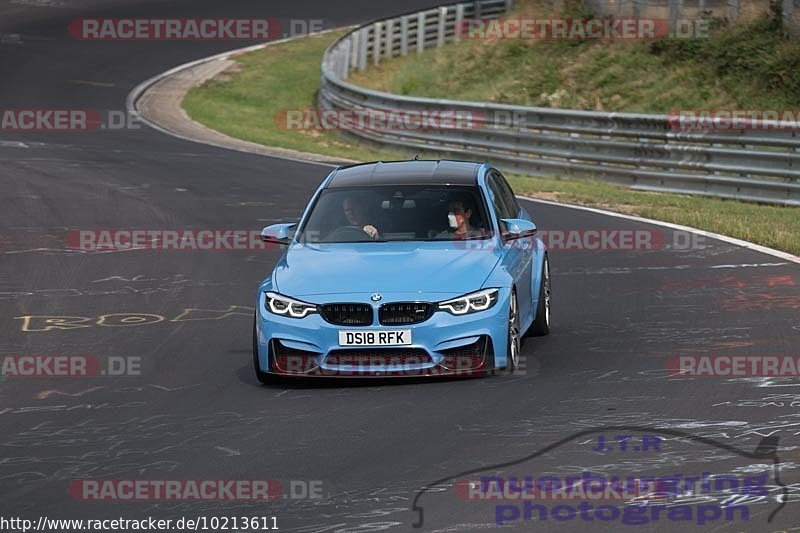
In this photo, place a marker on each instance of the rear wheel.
(541, 325)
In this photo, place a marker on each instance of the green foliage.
(743, 65)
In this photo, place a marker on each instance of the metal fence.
(646, 152)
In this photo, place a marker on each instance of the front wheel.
(541, 325)
(514, 340)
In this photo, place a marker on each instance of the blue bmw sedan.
(407, 268)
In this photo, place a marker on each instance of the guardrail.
(645, 152)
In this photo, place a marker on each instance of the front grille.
(378, 357)
(347, 314)
(403, 313)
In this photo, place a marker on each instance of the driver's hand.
(370, 230)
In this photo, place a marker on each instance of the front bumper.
(443, 345)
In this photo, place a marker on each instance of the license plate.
(399, 337)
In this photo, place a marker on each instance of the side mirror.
(278, 233)
(518, 228)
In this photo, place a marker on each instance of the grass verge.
(243, 103)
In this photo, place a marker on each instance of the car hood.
(419, 267)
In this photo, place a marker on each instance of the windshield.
(397, 213)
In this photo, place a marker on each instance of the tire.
(541, 325)
(514, 336)
(263, 377)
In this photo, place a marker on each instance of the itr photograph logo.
(615, 483)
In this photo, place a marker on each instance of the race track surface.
(197, 412)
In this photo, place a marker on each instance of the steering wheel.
(347, 233)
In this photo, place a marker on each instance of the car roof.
(406, 173)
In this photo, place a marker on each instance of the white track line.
(731, 240)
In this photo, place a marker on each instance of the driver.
(356, 215)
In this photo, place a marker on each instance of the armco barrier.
(646, 152)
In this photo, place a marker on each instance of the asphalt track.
(196, 412)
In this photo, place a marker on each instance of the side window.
(499, 199)
(508, 196)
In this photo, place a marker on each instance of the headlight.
(283, 305)
(470, 303)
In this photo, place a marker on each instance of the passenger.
(459, 214)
